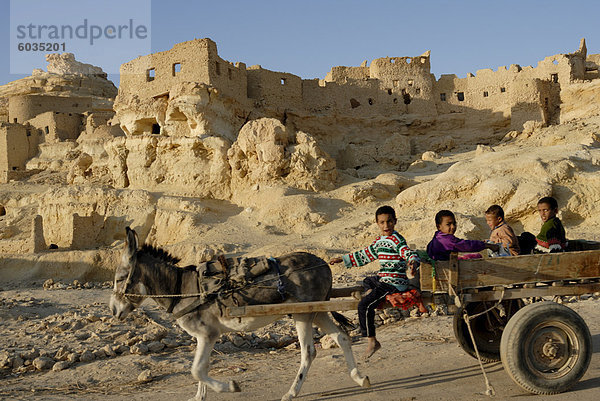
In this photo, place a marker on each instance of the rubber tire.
(488, 341)
(517, 349)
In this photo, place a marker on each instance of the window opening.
(503, 89)
(460, 96)
(370, 102)
(282, 81)
(218, 67)
(485, 94)
(150, 74)
(443, 97)
(554, 78)
(155, 129)
(176, 68)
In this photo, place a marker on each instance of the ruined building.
(379, 114)
(190, 91)
(48, 108)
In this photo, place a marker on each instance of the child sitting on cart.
(444, 242)
(501, 233)
(394, 256)
(552, 236)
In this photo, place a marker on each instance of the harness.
(280, 285)
(226, 287)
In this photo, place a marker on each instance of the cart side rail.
(503, 271)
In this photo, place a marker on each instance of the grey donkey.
(305, 277)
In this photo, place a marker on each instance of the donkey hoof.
(366, 382)
(234, 387)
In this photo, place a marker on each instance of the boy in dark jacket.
(552, 236)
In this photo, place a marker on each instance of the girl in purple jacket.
(444, 241)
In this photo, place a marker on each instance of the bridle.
(127, 283)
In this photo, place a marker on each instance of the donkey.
(149, 271)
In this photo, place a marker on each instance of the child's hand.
(411, 269)
(335, 260)
(493, 247)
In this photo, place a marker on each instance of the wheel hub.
(550, 349)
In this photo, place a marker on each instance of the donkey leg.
(307, 352)
(200, 370)
(324, 322)
(201, 394)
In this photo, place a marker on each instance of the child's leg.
(366, 310)
(366, 316)
(422, 307)
(372, 346)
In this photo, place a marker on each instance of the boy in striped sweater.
(394, 257)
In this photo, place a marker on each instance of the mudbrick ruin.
(189, 138)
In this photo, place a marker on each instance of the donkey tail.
(343, 321)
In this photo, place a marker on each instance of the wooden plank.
(512, 269)
(292, 307)
(441, 279)
(547, 291)
(528, 268)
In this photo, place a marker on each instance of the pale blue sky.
(308, 37)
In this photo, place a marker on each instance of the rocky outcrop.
(564, 165)
(267, 152)
(65, 77)
(189, 109)
(65, 64)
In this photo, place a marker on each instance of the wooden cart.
(545, 347)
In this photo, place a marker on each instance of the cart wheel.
(546, 348)
(487, 328)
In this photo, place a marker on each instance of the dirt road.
(420, 359)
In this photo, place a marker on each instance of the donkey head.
(127, 279)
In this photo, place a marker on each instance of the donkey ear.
(131, 241)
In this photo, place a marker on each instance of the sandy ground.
(420, 359)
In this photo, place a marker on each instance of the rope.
(489, 389)
(198, 294)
